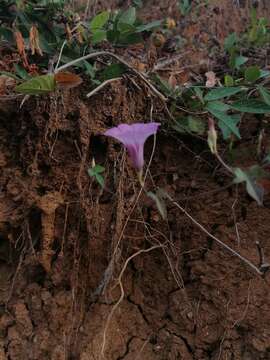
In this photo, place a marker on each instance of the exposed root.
(120, 284)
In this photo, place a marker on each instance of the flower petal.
(135, 133)
(135, 152)
(133, 137)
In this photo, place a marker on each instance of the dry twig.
(153, 89)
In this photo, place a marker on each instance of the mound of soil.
(89, 274)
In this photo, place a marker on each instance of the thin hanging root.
(221, 243)
(48, 204)
(119, 283)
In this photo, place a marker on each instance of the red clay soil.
(87, 274)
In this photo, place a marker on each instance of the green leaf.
(239, 61)
(125, 28)
(253, 189)
(266, 160)
(138, 3)
(96, 172)
(190, 124)
(264, 73)
(217, 105)
(113, 35)
(99, 21)
(228, 80)
(128, 17)
(90, 70)
(251, 106)
(113, 71)
(21, 72)
(196, 125)
(222, 92)
(184, 6)
(230, 41)
(98, 36)
(252, 73)
(46, 46)
(199, 94)
(231, 122)
(163, 85)
(38, 85)
(125, 39)
(6, 34)
(227, 123)
(265, 94)
(97, 169)
(149, 26)
(100, 180)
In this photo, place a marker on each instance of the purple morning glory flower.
(133, 137)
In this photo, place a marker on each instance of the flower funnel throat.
(133, 138)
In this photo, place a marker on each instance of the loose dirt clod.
(48, 204)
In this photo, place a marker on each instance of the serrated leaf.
(222, 92)
(99, 21)
(253, 189)
(252, 73)
(265, 94)
(227, 123)
(160, 203)
(251, 106)
(38, 85)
